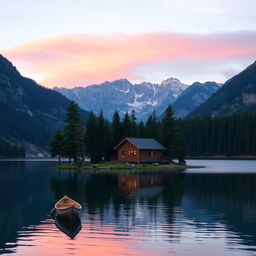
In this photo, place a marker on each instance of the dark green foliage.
(73, 133)
(57, 145)
(133, 124)
(171, 136)
(141, 130)
(232, 135)
(151, 128)
(127, 126)
(92, 140)
(117, 131)
(11, 150)
(100, 136)
(29, 113)
(108, 141)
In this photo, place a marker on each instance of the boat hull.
(70, 211)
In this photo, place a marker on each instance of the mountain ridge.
(29, 113)
(238, 94)
(124, 96)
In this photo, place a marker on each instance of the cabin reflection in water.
(140, 185)
(70, 226)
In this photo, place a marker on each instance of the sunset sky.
(78, 43)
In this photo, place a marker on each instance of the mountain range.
(144, 98)
(238, 94)
(29, 113)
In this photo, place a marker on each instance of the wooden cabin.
(140, 150)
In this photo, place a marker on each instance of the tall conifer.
(73, 132)
(56, 148)
(117, 133)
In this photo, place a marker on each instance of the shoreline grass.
(124, 166)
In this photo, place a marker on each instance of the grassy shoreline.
(124, 166)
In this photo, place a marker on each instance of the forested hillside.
(232, 135)
(29, 113)
(11, 150)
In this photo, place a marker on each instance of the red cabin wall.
(125, 147)
(141, 155)
(146, 156)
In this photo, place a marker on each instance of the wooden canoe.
(67, 207)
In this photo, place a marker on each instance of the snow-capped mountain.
(124, 96)
(193, 96)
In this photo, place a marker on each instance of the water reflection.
(68, 225)
(138, 185)
(134, 214)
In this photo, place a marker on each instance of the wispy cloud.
(83, 59)
(50, 6)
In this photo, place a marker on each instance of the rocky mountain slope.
(144, 98)
(29, 113)
(124, 96)
(238, 94)
(193, 96)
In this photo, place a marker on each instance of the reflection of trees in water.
(227, 198)
(123, 193)
(22, 186)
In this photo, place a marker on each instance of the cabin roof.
(143, 143)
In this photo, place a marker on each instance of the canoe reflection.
(70, 226)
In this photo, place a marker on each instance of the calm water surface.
(210, 211)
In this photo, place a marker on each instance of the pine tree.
(141, 131)
(56, 148)
(152, 126)
(103, 135)
(73, 133)
(108, 141)
(134, 128)
(91, 138)
(117, 133)
(171, 136)
(126, 125)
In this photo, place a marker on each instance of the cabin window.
(151, 153)
(123, 153)
(132, 152)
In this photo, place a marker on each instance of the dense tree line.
(97, 137)
(232, 135)
(11, 150)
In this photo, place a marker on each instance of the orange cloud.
(82, 59)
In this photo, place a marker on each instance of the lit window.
(151, 153)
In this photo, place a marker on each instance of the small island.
(122, 166)
(120, 144)
(133, 154)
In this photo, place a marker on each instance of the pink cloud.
(83, 59)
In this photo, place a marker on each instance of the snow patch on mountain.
(124, 96)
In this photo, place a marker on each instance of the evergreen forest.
(97, 137)
(232, 135)
(11, 150)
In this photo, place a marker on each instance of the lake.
(198, 212)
